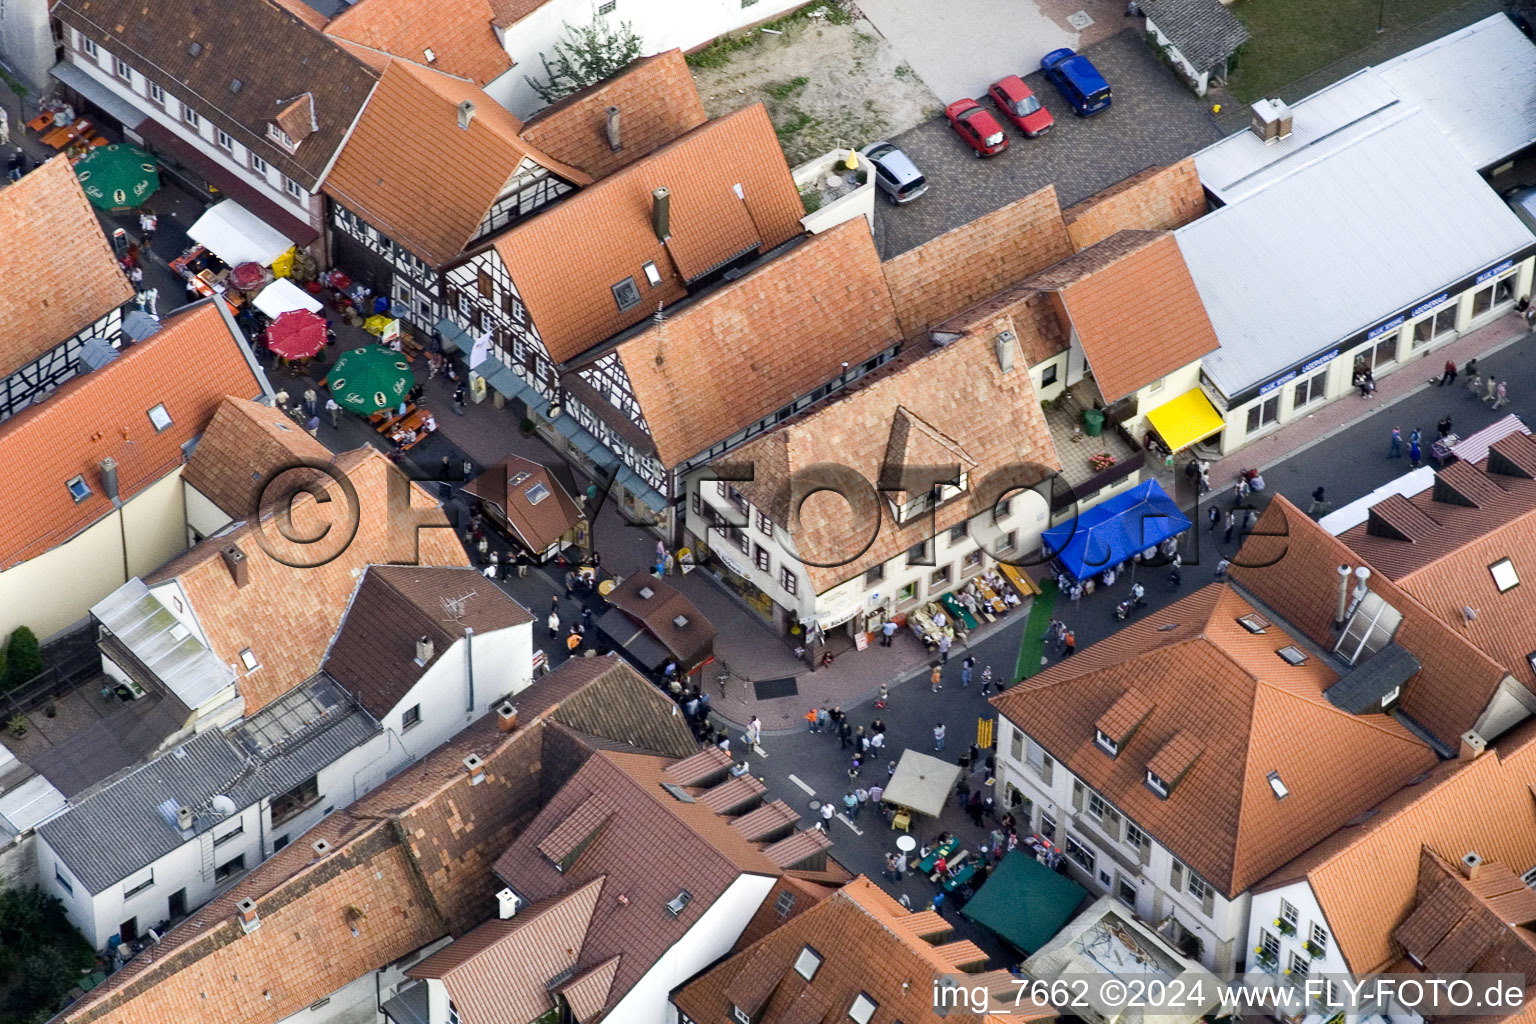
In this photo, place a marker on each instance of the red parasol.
(297, 334)
(247, 276)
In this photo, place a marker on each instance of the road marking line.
(844, 819)
(809, 791)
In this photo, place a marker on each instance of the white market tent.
(922, 783)
(283, 296)
(235, 235)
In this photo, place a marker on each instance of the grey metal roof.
(1204, 31)
(166, 647)
(1335, 245)
(131, 823)
(1362, 687)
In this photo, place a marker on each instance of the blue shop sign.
(1493, 271)
(1320, 360)
(1306, 367)
(1378, 331)
(1425, 307)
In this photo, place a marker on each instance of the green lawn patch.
(1032, 648)
(1293, 38)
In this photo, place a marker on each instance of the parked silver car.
(895, 173)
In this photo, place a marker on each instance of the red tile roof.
(103, 414)
(1156, 199)
(244, 444)
(755, 345)
(458, 32)
(657, 103)
(566, 260)
(380, 179)
(58, 271)
(1478, 924)
(1252, 713)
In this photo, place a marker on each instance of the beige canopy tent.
(921, 783)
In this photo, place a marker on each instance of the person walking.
(1396, 451)
(313, 426)
(850, 805)
(823, 721)
(1491, 384)
(1068, 644)
(149, 223)
(1475, 386)
(887, 632)
(966, 667)
(754, 735)
(1215, 517)
(1502, 395)
(1449, 376)
(938, 736)
(13, 166)
(554, 625)
(844, 734)
(827, 811)
(863, 795)
(1415, 454)
(334, 411)
(1318, 500)
(458, 399)
(934, 677)
(1231, 521)
(885, 695)
(1471, 369)
(812, 716)
(944, 645)
(986, 680)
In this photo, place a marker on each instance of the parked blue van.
(1078, 81)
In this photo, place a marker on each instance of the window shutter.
(1077, 795)
(1112, 824)
(1047, 769)
(1176, 877)
(1016, 745)
(1208, 904)
(1145, 851)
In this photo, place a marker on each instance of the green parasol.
(115, 177)
(366, 380)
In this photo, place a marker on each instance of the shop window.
(1313, 389)
(1380, 354)
(1438, 324)
(1264, 413)
(1504, 290)
(1482, 301)
(1047, 827)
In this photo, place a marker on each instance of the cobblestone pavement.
(1154, 120)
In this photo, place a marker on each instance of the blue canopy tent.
(1113, 531)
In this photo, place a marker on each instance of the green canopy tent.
(1025, 903)
(366, 380)
(117, 177)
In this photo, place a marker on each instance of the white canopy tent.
(283, 296)
(922, 783)
(235, 235)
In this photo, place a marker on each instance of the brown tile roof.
(374, 651)
(1156, 199)
(1252, 714)
(1038, 318)
(1364, 875)
(943, 387)
(458, 32)
(381, 180)
(276, 55)
(501, 971)
(587, 993)
(1135, 308)
(868, 943)
(538, 525)
(708, 764)
(1291, 564)
(59, 272)
(657, 103)
(973, 262)
(688, 643)
(1438, 548)
(1479, 924)
(566, 260)
(244, 444)
(287, 615)
(747, 350)
(652, 848)
(103, 414)
(413, 856)
(509, 12)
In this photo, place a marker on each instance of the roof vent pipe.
(614, 142)
(1338, 612)
(661, 213)
(109, 478)
(466, 114)
(507, 903)
(423, 650)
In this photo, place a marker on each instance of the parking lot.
(1154, 120)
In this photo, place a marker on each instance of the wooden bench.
(1022, 583)
(414, 420)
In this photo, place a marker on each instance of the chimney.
(507, 903)
(1472, 746)
(184, 818)
(1338, 612)
(423, 650)
(109, 478)
(661, 213)
(1271, 121)
(249, 921)
(475, 765)
(614, 142)
(1005, 349)
(506, 717)
(466, 114)
(239, 571)
(321, 848)
(1471, 863)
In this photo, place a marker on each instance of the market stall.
(921, 785)
(1114, 531)
(235, 235)
(283, 296)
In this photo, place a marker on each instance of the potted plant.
(1313, 949)
(525, 427)
(1100, 462)
(17, 726)
(1285, 927)
(51, 709)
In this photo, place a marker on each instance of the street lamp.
(1381, 10)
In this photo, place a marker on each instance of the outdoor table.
(1440, 450)
(901, 820)
(960, 877)
(926, 864)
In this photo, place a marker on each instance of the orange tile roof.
(1252, 713)
(1291, 563)
(657, 103)
(381, 180)
(1364, 875)
(868, 943)
(1039, 321)
(102, 414)
(286, 616)
(566, 260)
(973, 262)
(59, 272)
(509, 12)
(756, 344)
(1135, 309)
(1156, 199)
(244, 443)
(458, 32)
(940, 387)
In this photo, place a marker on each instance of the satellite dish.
(223, 806)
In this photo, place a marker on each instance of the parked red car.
(978, 128)
(1019, 104)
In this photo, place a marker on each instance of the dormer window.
(1370, 629)
(1157, 784)
(1106, 744)
(281, 137)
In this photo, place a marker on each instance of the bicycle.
(723, 676)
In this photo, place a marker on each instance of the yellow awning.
(1189, 418)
